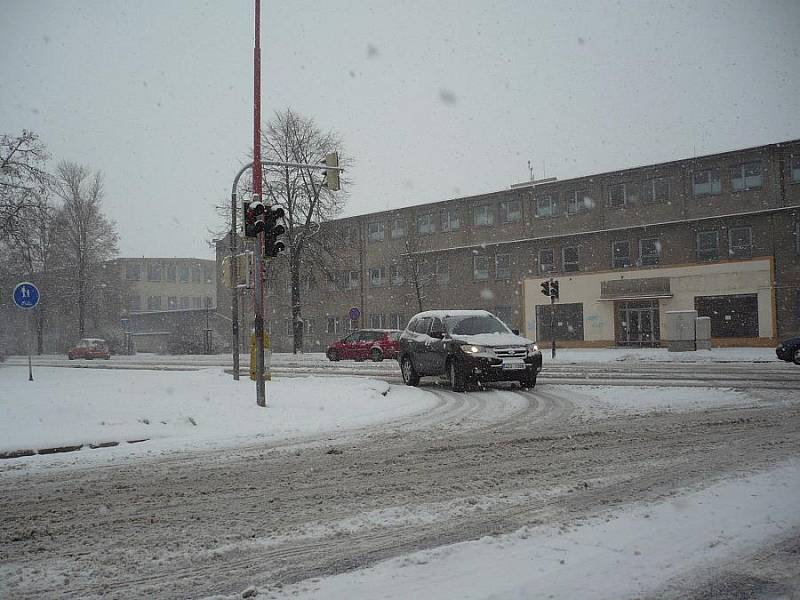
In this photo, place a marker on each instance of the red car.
(89, 348)
(376, 344)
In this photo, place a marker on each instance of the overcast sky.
(433, 100)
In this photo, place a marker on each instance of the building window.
(134, 303)
(510, 211)
(425, 224)
(731, 316)
(397, 321)
(333, 325)
(377, 276)
(547, 261)
(289, 329)
(208, 274)
(480, 267)
(185, 302)
(396, 274)
(449, 218)
(183, 273)
(308, 326)
(740, 242)
(171, 272)
(649, 252)
(617, 195)
(197, 302)
(154, 303)
(352, 280)
(172, 303)
(708, 245)
(208, 301)
(133, 271)
(502, 266)
(571, 259)
(577, 201)
(331, 279)
(153, 271)
(197, 274)
(567, 320)
(621, 254)
(482, 215)
(795, 168)
(398, 229)
(746, 176)
(656, 190)
(376, 321)
(442, 271)
(352, 324)
(706, 183)
(545, 206)
(375, 232)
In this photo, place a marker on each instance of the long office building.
(719, 234)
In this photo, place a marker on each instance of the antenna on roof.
(530, 171)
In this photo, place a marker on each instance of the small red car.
(376, 344)
(89, 348)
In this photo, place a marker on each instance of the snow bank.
(64, 407)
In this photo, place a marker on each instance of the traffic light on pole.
(252, 213)
(554, 289)
(331, 176)
(546, 288)
(272, 231)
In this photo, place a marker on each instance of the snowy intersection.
(354, 487)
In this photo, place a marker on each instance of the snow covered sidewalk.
(81, 407)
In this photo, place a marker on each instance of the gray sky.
(433, 99)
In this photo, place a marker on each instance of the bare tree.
(23, 178)
(418, 268)
(85, 237)
(307, 204)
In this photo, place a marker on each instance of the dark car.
(376, 344)
(89, 348)
(789, 350)
(466, 346)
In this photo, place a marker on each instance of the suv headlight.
(532, 348)
(472, 349)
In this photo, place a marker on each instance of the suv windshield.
(472, 325)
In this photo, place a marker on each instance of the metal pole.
(28, 337)
(258, 307)
(235, 290)
(552, 319)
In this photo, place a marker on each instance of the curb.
(62, 449)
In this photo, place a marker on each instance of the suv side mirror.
(515, 331)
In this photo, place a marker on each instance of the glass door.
(637, 323)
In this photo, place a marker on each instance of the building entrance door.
(637, 323)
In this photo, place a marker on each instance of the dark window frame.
(571, 266)
(616, 263)
(706, 255)
(732, 251)
(714, 176)
(552, 268)
(506, 211)
(650, 259)
(738, 172)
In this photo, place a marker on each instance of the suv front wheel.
(458, 381)
(410, 376)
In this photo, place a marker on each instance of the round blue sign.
(26, 295)
(354, 313)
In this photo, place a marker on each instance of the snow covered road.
(286, 513)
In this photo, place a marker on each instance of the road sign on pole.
(26, 295)
(355, 313)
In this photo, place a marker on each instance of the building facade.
(719, 234)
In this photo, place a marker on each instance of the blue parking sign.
(26, 295)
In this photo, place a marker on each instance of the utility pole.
(258, 303)
(552, 318)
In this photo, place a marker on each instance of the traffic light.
(554, 289)
(252, 211)
(546, 288)
(331, 176)
(272, 231)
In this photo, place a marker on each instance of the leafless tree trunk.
(85, 237)
(418, 269)
(23, 178)
(307, 205)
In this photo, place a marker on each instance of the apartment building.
(157, 284)
(719, 234)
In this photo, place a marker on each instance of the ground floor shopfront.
(629, 308)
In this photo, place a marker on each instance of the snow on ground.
(63, 407)
(621, 554)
